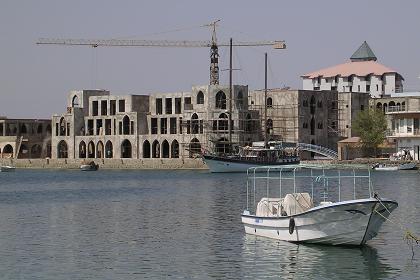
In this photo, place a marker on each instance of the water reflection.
(266, 258)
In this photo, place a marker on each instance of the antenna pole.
(265, 103)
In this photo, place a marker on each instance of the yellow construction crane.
(213, 45)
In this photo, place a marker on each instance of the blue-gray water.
(176, 225)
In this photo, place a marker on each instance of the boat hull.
(88, 167)
(218, 165)
(7, 168)
(344, 223)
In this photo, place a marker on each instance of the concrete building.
(361, 74)
(164, 125)
(304, 116)
(99, 125)
(25, 138)
(403, 115)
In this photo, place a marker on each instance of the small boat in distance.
(91, 166)
(276, 153)
(7, 168)
(314, 204)
(404, 166)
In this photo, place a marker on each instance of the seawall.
(161, 163)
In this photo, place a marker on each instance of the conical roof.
(363, 53)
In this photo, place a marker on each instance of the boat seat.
(296, 203)
(269, 207)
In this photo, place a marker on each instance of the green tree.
(371, 125)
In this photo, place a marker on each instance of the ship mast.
(265, 104)
(230, 95)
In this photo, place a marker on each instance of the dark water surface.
(176, 225)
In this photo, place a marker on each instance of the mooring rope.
(409, 236)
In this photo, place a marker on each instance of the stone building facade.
(162, 125)
(25, 138)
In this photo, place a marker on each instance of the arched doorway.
(62, 150)
(146, 149)
(194, 124)
(126, 149)
(195, 148)
(109, 151)
(82, 149)
(8, 151)
(100, 150)
(23, 129)
(175, 149)
(91, 150)
(223, 122)
(36, 151)
(165, 149)
(156, 149)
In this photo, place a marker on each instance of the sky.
(36, 79)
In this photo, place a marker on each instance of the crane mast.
(213, 45)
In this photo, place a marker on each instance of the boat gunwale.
(322, 207)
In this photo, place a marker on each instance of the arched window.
(39, 129)
(91, 150)
(100, 150)
(62, 150)
(146, 149)
(156, 149)
(312, 126)
(398, 106)
(269, 102)
(223, 122)
(23, 129)
(165, 149)
(220, 100)
(195, 148)
(403, 106)
(75, 101)
(175, 149)
(379, 105)
(82, 149)
(248, 125)
(200, 97)
(109, 150)
(392, 103)
(48, 129)
(385, 107)
(269, 126)
(62, 128)
(126, 149)
(126, 125)
(195, 124)
(312, 104)
(240, 100)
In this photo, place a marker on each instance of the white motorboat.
(314, 204)
(404, 166)
(91, 166)
(7, 168)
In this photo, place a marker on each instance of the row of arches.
(387, 106)
(35, 151)
(154, 150)
(12, 129)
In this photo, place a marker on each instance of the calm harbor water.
(176, 225)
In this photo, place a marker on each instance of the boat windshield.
(314, 184)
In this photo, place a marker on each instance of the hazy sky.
(35, 80)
